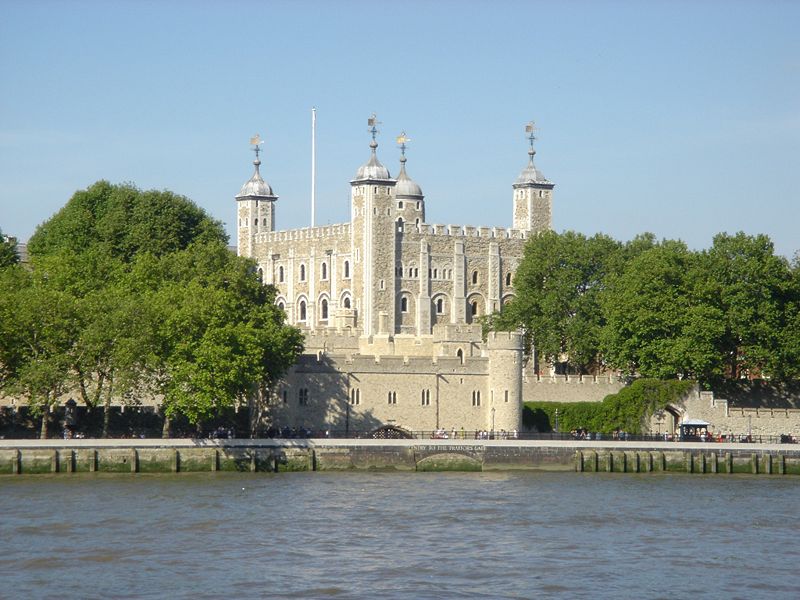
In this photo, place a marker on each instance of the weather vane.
(530, 128)
(371, 123)
(402, 140)
(256, 141)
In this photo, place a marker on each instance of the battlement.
(305, 233)
(507, 340)
(612, 380)
(467, 231)
(391, 365)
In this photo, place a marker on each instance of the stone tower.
(504, 409)
(374, 232)
(533, 195)
(255, 208)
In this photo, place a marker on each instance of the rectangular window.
(303, 397)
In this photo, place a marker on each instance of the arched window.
(324, 308)
(439, 306)
(302, 310)
(324, 270)
(473, 307)
(260, 275)
(474, 277)
(280, 274)
(400, 225)
(460, 355)
(346, 269)
(403, 304)
(302, 272)
(282, 306)
(255, 222)
(264, 222)
(508, 278)
(347, 302)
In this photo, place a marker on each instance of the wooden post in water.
(71, 461)
(595, 461)
(610, 462)
(134, 461)
(253, 461)
(92, 461)
(729, 462)
(769, 463)
(579, 461)
(782, 464)
(687, 459)
(175, 461)
(215, 460)
(714, 462)
(17, 462)
(754, 463)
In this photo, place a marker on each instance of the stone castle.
(389, 305)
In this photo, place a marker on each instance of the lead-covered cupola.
(372, 170)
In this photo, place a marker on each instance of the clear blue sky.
(680, 118)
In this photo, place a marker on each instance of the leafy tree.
(37, 329)
(558, 288)
(754, 289)
(657, 324)
(161, 306)
(8, 251)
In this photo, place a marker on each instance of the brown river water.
(399, 535)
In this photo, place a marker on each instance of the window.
(355, 396)
(392, 397)
(302, 272)
(426, 397)
(302, 310)
(418, 205)
(473, 308)
(347, 302)
(324, 309)
(383, 284)
(285, 395)
(505, 396)
(264, 222)
(474, 277)
(439, 306)
(260, 275)
(303, 397)
(255, 222)
(281, 305)
(400, 204)
(280, 274)
(400, 225)
(476, 398)
(436, 273)
(346, 269)
(460, 355)
(324, 270)
(404, 304)
(508, 278)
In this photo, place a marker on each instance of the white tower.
(255, 207)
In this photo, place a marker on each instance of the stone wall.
(184, 455)
(569, 388)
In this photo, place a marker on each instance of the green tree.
(37, 330)
(558, 287)
(754, 289)
(161, 306)
(8, 251)
(658, 324)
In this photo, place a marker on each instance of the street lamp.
(556, 420)
(493, 419)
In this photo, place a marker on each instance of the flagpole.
(313, 165)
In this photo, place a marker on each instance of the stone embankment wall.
(173, 456)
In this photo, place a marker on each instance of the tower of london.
(390, 305)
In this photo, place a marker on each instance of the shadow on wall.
(759, 394)
(322, 398)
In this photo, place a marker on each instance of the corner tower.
(373, 241)
(255, 207)
(410, 201)
(533, 195)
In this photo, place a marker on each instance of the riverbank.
(276, 455)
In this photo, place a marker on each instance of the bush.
(627, 410)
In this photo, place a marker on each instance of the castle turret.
(256, 207)
(504, 409)
(374, 232)
(533, 195)
(410, 201)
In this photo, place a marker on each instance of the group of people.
(480, 434)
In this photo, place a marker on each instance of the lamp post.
(556, 420)
(493, 419)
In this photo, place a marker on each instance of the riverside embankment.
(275, 455)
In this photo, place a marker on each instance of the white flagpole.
(313, 164)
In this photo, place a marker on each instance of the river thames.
(400, 535)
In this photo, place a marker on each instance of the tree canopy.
(8, 251)
(657, 309)
(134, 294)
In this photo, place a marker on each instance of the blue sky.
(680, 118)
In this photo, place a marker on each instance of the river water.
(399, 535)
